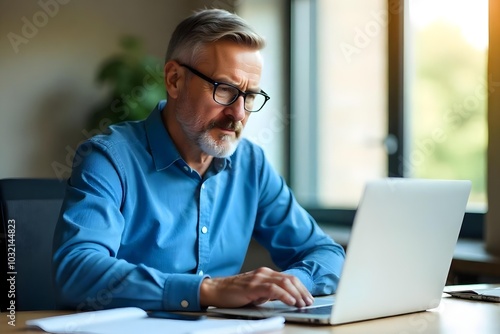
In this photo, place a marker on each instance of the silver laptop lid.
(401, 247)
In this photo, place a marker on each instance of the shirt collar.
(162, 147)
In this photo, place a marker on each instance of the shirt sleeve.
(87, 272)
(295, 241)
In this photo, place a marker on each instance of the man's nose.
(236, 110)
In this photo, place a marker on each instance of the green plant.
(135, 82)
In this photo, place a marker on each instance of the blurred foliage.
(449, 108)
(135, 83)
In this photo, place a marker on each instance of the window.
(446, 92)
(339, 99)
(386, 88)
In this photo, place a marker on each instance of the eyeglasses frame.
(216, 84)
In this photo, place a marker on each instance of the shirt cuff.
(303, 276)
(182, 292)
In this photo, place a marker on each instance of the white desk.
(452, 316)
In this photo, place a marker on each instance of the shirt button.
(200, 273)
(186, 168)
(184, 303)
(203, 186)
(204, 229)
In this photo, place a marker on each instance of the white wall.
(49, 54)
(47, 86)
(268, 126)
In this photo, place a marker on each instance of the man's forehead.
(232, 54)
(232, 61)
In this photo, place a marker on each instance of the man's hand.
(254, 287)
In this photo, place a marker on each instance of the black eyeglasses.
(226, 94)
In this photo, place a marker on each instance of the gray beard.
(222, 149)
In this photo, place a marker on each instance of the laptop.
(398, 257)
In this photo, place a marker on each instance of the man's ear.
(173, 77)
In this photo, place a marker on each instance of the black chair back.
(29, 211)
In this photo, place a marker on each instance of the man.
(159, 213)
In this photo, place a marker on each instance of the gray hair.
(208, 26)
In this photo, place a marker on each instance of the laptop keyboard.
(327, 309)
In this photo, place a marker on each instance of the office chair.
(29, 209)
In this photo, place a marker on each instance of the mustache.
(227, 124)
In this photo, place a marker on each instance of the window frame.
(473, 224)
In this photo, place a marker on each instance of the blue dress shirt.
(139, 227)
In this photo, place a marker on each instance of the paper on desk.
(490, 295)
(134, 320)
(489, 292)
